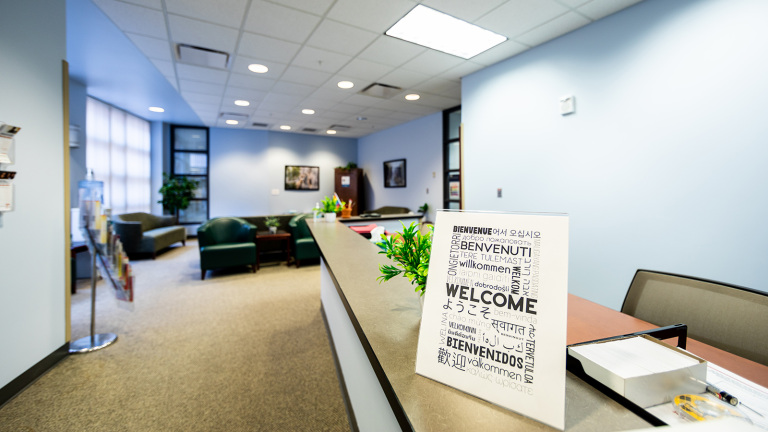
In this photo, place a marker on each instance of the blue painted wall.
(663, 164)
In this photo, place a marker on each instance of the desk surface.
(387, 319)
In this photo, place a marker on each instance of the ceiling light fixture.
(258, 68)
(330, 132)
(346, 84)
(412, 97)
(241, 102)
(232, 122)
(436, 30)
(156, 109)
(307, 111)
(285, 127)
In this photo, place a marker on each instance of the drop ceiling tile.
(252, 96)
(201, 87)
(165, 67)
(438, 102)
(597, 9)
(460, 71)
(372, 15)
(134, 19)
(228, 13)
(202, 34)
(202, 74)
(390, 51)
(322, 60)
(555, 28)
(317, 7)
(365, 69)
(288, 102)
(363, 100)
(499, 52)
(346, 108)
(293, 89)
(241, 63)
(463, 9)
(331, 94)
(319, 105)
(573, 3)
(306, 76)
(153, 48)
(262, 47)
(279, 22)
(404, 78)
(250, 82)
(228, 106)
(432, 62)
(519, 16)
(439, 86)
(201, 98)
(341, 38)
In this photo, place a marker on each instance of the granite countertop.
(387, 317)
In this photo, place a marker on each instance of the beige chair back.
(728, 317)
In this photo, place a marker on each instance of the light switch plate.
(275, 191)
(567, 105)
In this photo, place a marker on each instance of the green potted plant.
(272, 224)
(410, 250)
(330, 207)
(176, 193)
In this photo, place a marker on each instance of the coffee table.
(266, 237)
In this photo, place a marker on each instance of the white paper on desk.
(6, 147)
(6, 195)
(719, 425)
(495, 313)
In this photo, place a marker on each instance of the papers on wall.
(6, 195)
(495, 310)
(7, 132)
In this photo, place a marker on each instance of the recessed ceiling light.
(156, 109)
(412, 97)
(346, 84)
(307, 111)
(232, 122)
(330, 132)
(258, 68)
(241, 102)
(436, 30)
(285, 127)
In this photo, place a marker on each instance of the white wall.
(663, 164)
(420, 143)
(32, 237)
(246, 165)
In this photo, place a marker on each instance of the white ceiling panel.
(322, 60)
(311, 45)
(134, 19)
(519, 16)
(373, 15)
(341, 38)
(228, 13)
(553, 29)
(597, 9)
(275, 21)
(202, 34)
(270, 49)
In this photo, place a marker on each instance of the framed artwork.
(300, 177)
(394, 173)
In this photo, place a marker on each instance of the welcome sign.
(495, 313)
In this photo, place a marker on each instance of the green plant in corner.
(410, 250)
(272, 221)
(176, 193)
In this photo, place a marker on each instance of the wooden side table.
(266, 236)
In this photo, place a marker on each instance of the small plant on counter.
(331, 205)
(410, 250)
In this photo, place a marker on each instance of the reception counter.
(390, 222)
(374, 330)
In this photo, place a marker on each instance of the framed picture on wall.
(394, 173)
(300, 177)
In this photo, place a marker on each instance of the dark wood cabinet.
(349, 186)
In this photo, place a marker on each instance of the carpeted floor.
(235, 352)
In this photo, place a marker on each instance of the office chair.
(729, 317)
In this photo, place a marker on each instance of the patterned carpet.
(235, 352)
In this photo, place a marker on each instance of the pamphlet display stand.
(106, 256)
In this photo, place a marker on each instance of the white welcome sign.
(495, 313)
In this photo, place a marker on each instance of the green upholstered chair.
(226, 242)
(304, 246)
(725, 316)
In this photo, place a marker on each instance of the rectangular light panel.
(438, 31)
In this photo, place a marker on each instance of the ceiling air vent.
(339, 127)
(309, 130)
(260, 125)
(380, 90)
(200, 56)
